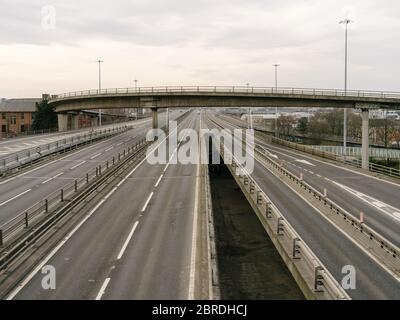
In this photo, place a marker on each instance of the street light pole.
(346, 23)
(249, 122)
(276, 90)
(135, 84)
(99, 62)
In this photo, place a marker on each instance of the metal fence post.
(1, 238)
(62, 195)
(76, 185)
(46, 206)
(87, 177)
(318, 278)
(26, 220)
(295, 248)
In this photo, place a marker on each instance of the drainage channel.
(249, 266)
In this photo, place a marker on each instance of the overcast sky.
(196, 42)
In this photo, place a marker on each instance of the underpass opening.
(249, 266)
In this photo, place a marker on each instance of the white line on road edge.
(158, 181)
(147, 202)
(108, 149)
(95, 156)
(77, 165)
(364, 250)
(79, 225)
(56, 176)
(128, 239)
(51, 162)
(379, 205)
(103, 289)
(192, 277)
(52, 253)
(334, 165)
(15, 197)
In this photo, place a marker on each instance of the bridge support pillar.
(75, 122)
(365, 139)
(167, 120)
(154, 115)
(62, 122)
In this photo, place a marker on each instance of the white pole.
(99, 62)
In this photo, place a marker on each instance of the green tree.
(302, 125)
(44, 117)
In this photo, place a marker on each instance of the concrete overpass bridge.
(225, 97)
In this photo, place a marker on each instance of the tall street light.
(249, 120)
(346, 22)
(135, 84)
(99, 62)
(276, 90)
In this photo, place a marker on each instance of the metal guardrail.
(356, 151)
(28, 217)
(294, 251)
(392, 172)
(320, 282)
(381, 248)
(28, 156)
(232, 89)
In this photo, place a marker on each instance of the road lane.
(109, 255)
(322, 175)
(332, 247)
(33, 179)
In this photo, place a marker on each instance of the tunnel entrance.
(248, 264)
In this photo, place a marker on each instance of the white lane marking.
(365, 251)
(52, 178)
(77, 165)
(192, 277)
(47, 164)
(52, 253)
(147, 202)
(118, 144)
(166, 167)
(335, 165)
(59, 246)
(103, 289)
(381, 206)
(108, 149)
(95, 156)
(305, 162)
(15, 197)
(158, 181)
(269, 153)
(128, 239)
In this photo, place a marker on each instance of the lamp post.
(346, 23)
(250, 124)
(276, 90)
(99, 62)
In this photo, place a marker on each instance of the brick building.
(16, 115)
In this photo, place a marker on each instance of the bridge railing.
(232, 89)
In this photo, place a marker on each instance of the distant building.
(16, 115)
